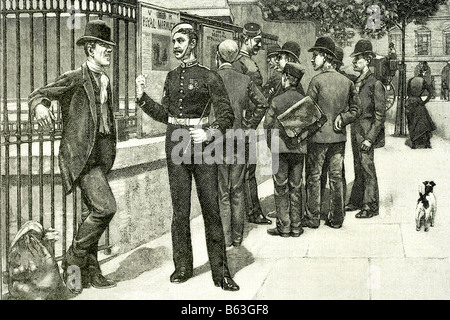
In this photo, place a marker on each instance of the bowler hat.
(252, 29)
(363, 46)
(273, 49)
(96, 30)
(339, 54)
(339, 57)
(228, 50)
(294, 69)
(324, 44)
(291, 47)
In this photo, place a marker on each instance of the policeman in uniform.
(251, 44)
(189, 92)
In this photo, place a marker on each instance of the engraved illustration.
(274, 147)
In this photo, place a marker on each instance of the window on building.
(423, 42)
(395, 36)
(447, 41)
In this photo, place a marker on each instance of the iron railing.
(38, 44)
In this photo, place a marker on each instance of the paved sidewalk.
(379, 258)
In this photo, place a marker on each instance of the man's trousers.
(251, 186)
(206, 181)
(98, 205)
(232, 201)
(318, 153)
(365, 193)
(288, 191)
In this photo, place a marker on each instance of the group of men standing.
(237, 99)
(345, 99)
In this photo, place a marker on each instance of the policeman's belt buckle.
(188, 121)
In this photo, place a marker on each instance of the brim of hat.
(354, 54)
(290, 52)
(272, 53)
(324, 50)
(83, 39)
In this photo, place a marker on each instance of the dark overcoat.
(75, 92)
(370, 125)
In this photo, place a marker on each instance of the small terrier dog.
(426, 206)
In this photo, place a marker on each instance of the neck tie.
(103, 84)
(104, 127)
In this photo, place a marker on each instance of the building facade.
(430, 43)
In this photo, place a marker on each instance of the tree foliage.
(339, 18)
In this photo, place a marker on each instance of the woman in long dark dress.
(420, 124)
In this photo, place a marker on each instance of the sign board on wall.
(211, 38)
(155, 58)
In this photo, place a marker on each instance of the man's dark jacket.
(241, 91)
(370, 125)
(336, 95)
(75, 92)
(278, 106)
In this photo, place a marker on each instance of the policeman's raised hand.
(198, 135)
(141, 83)
(44, 116)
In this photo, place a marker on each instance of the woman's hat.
(96, 30)
(324, 44)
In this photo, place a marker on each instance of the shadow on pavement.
(140, 261)
(240, 257)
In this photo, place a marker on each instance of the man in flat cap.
(367, 133)
(190, 91)
(242, 91)
(291, 157)
(337, 97)
(88, 147)
(251, 42)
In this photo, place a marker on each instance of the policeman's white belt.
(188, 121)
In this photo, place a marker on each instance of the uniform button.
(182, 78)
(181, 107)
(182, 84)
(181, 114)
(181, 100)
(181, 91)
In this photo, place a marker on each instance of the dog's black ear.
(432, 183)
(425, 182)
